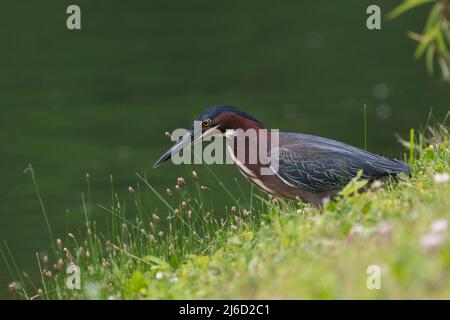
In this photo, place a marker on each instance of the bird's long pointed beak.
(188, 139)
(185, 141)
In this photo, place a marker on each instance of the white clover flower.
(325, 200)
(384, 228)
(159, 275)
(439, 225)
(441, 178)
(356, 230)
(92, 291)
(431, 241)
(376, 184)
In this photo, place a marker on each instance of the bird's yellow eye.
(206, 123)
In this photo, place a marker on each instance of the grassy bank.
(266, 248)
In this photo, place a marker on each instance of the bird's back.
(319, 164)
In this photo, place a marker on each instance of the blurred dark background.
(99, 100)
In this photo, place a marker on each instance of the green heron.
(310, 168)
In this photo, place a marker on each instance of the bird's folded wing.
(319, 168)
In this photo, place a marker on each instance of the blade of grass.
(155, 192)
(406, 6)
(30, 170)
(411, 146)
(42, 276)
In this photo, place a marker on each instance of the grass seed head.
(105, 263)
(13, 287)
(91, 270)
(180, 182)
(58, 266)
(48, 274)
(69, 255)
(80, 252)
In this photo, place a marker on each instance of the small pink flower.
(431, 241)
(356, 230)
(439, 225)
(441, 178)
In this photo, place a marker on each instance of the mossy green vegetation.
(269, 249)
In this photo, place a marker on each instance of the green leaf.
(434, 17)
(447, 34)
(157, 261)
(444, 68)
(430, 59)
(137, 282)
(424, 43)
(442, 45)
(406, 6)
(354, 185)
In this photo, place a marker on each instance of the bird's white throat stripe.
(246, 172)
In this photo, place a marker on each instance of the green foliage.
(434, 42)
(272, 249)
(353, 186)
(406, 6)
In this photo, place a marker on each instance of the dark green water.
(99, 100)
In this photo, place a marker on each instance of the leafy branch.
(434, 41)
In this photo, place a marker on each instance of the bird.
(311, 169)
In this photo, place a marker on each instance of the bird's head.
(215, 120)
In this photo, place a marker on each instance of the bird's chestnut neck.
(229, 120)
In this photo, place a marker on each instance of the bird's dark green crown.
(214, 111)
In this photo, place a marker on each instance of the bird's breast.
(250, 171)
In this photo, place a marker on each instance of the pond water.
(99, 100)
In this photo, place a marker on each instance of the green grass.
(264, 247)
